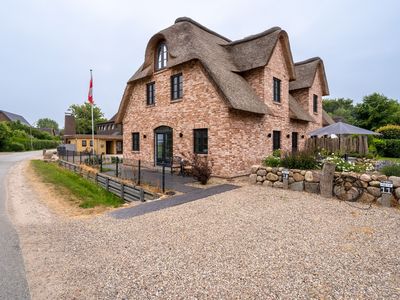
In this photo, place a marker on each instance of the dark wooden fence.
(125, 191)
(348, 144)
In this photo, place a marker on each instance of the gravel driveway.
(251, 243)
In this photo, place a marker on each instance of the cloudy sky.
(48, 46)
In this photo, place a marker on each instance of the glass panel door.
(163, 145)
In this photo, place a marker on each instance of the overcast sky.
(48, 46)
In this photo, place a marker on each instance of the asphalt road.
(13, 284)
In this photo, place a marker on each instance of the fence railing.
(125, 191)
(348, 144)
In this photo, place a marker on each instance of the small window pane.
(200, 141)
(176, 86)
(83, 143)
(135, 141)
(276, 140)
(315, 103)
(150, 93)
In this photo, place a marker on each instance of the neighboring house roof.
(305, 75)
(326, 119)
(222, 59)
(96, 136)
(297, 112)
(14, 117)
(112, 120)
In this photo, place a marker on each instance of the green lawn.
(87, 192)
(390, 158)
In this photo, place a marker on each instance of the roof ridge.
(255, 36)
(307, 60)
(187, 19)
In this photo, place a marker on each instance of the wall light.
(269, 135)
(181, 135)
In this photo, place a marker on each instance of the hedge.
(388, 148)
(390, 131)
(37, 144)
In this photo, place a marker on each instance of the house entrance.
(109, 149)
(163, 145)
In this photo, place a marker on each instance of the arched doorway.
(163, 145)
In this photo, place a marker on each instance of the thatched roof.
(223, 60)
(305, 75)
(326, 119)
(297, 112)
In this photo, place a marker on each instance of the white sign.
(386, 187)
(285, 174)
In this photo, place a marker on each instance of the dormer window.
(162, 56)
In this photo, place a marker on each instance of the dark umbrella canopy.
(341, 128)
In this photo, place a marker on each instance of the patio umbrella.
(341, 128)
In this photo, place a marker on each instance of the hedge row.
(22, 144)
(387, 148)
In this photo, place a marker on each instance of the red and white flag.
(90, 95)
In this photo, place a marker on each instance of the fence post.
(95, 178)
(67, 155)
(116, 166)
(141, 195)
(80, 157)
(163, 178)
(90, 159)
(101, 163)
(73, 156)
(107, 182)
(139, 171)
(122, 191)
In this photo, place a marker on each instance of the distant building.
(107, 140)
(6, 116)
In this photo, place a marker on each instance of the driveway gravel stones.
(254, 242)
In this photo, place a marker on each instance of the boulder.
(382, 177)
(302, 172)
(311, 187)
(272, 177)
(259, 182)
(374, 183)
(260, 179)
(269, 169)
(316, 176)
(397, 192)
(278, 184)
(280, 169)
(296, 171)
(298, 177)
(395, 180)
(291, 180)
(365, 177)
(253, 178)
(386, 200)
(374, 191)
(297, 186)
(254, 169)
(261, 172)
(309, 176)
(366, 198)
(279, 173)
(267, 183)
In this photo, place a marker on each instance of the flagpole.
(92, 119)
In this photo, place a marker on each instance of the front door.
(163, 145)
(295, 140)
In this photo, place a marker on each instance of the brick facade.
(236, 139)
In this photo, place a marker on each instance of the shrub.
(390, 131)
(391, 170)
(272, 161)
(16, 147)
(201, 168)
(388, 148)
(299, 160)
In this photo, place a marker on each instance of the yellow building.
(103, 144)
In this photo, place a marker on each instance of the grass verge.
(87, 192)
(394, 159)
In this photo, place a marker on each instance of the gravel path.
(253, 242)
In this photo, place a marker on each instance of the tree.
(47, 123)
(377, 110)
(340, 107)
(5, 134)
(83, 117)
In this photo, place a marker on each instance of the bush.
(390, 132)
(392, 170)
(16, 147)
(299, 160)
(201, 168)
(388, 148)
(272, 161)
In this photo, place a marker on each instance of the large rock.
(272, 177)
(254, 169)
(267, 183)
(298, 177)
(311, 187)
(397, 192)
(291, 180)
(366, 198)
(278, 184)
(316, 176)
(260, 178)
(396, 181)
(386, 200)
(261, 172)
(253, 178)
(374, 191)
(374, 183)
(309, 176)
(365, 177)
(269, 169)
(297, 186)
(302, 172)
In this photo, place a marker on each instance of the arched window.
(162, 56)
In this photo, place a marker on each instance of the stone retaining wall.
(309, 181)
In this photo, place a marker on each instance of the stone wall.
(346, 185)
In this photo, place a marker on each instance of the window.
(91, 143)
(277, 90)
(83, 143)
(176, 86)
(150, 96)
(135, 141)
(200, 141)
(276, 140)
(295, 141)
(315, 103)
(162, 56)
